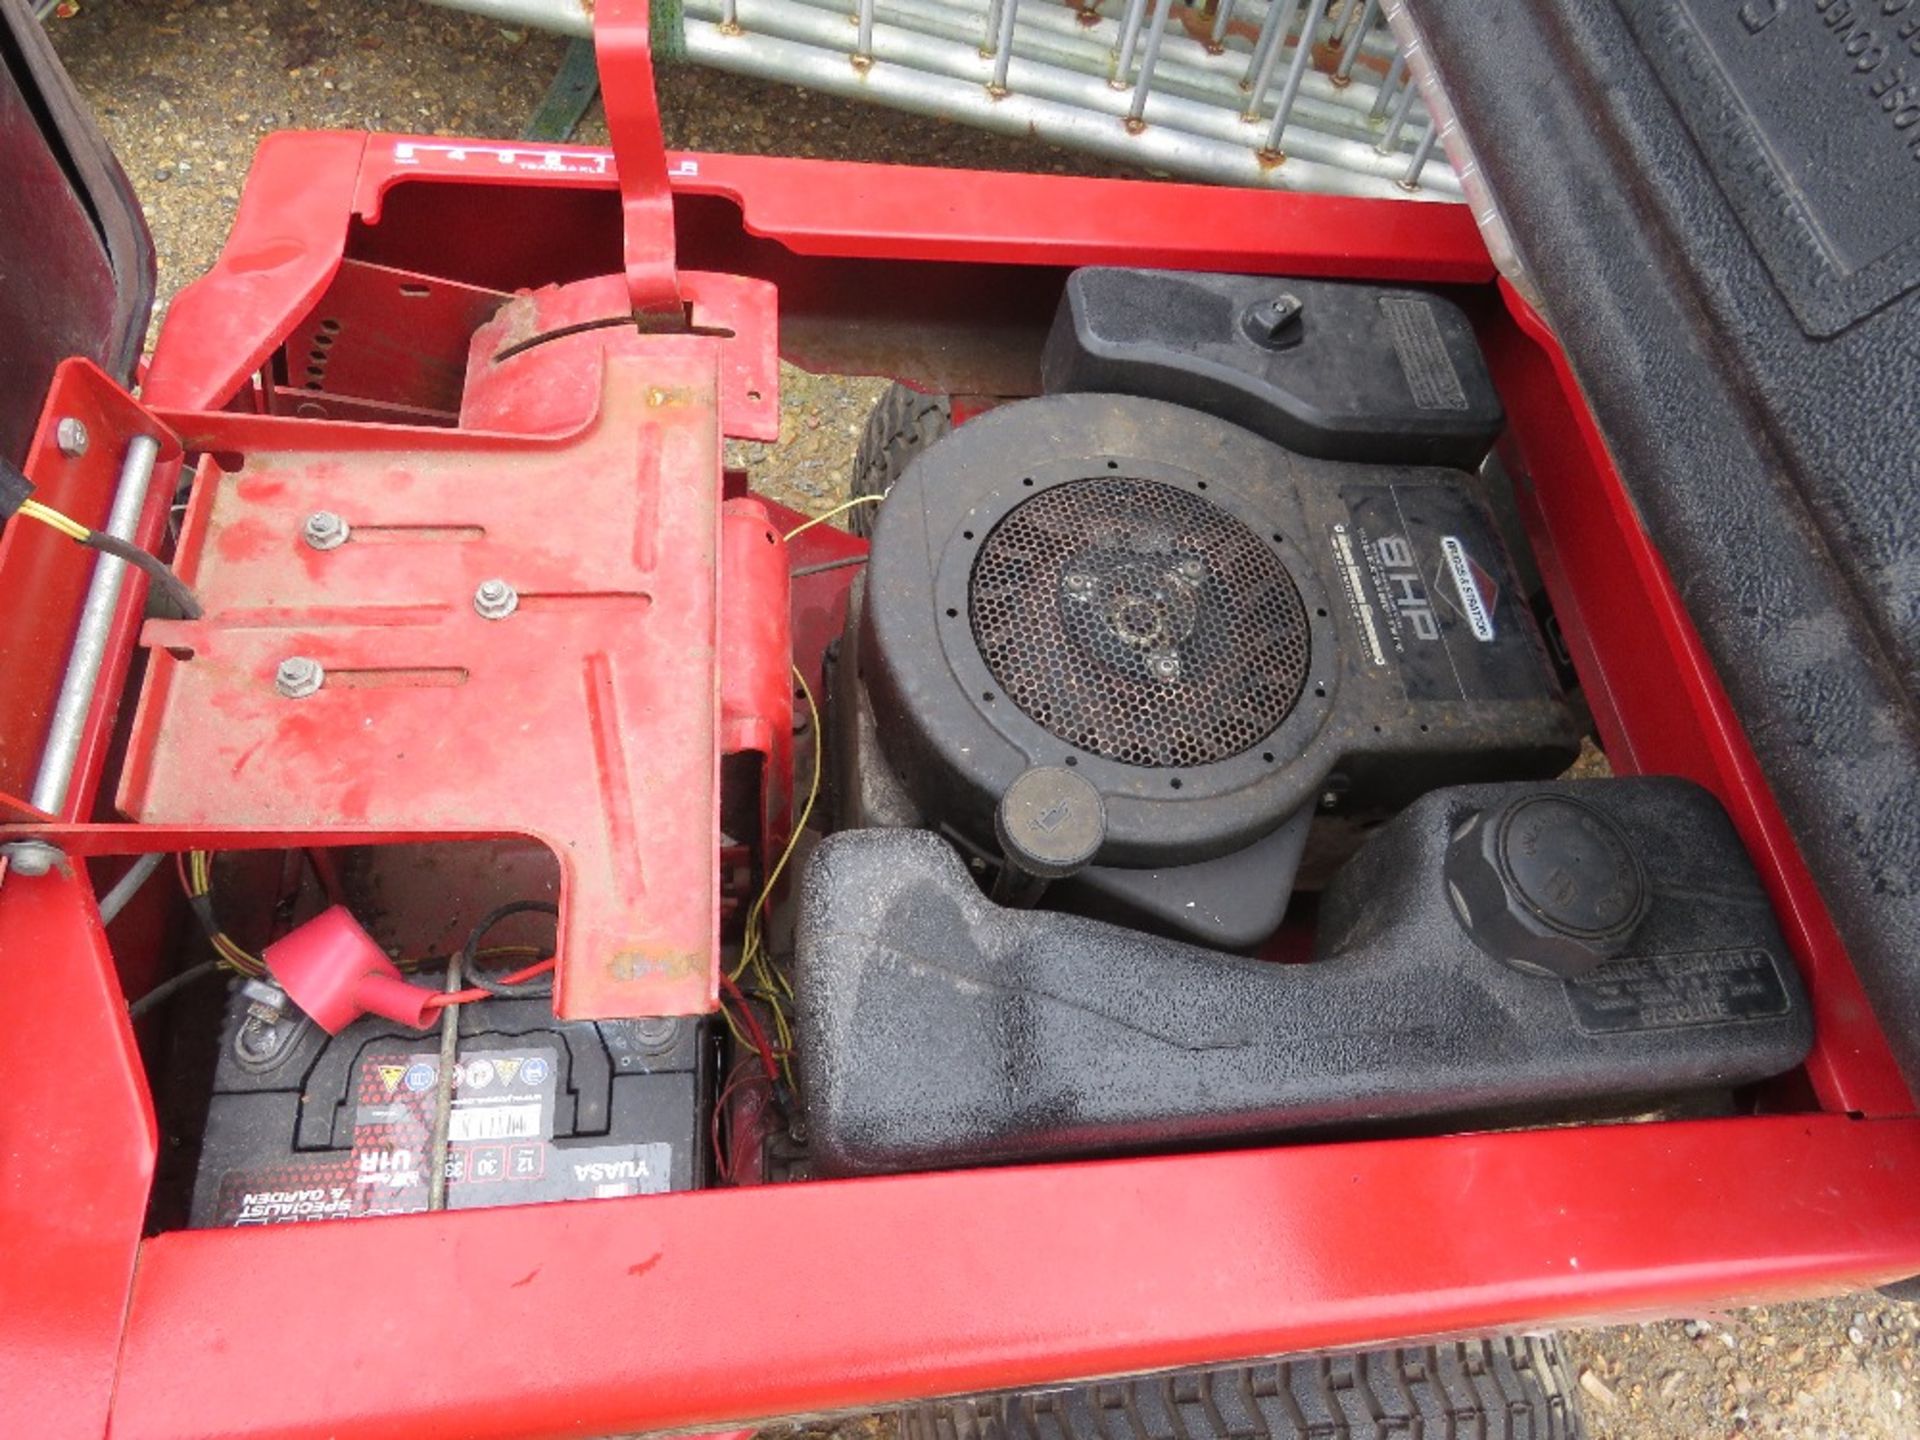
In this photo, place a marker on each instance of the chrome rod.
(1003, 56)
(1401, 107)
(1222, 17)
(1396, 72)
(1411, 180)
(1129, 37)
(55, 777)
(1350, 44)
(128, 885)
(1286, 13)
(1290, 92)
(1148, 61)
(864, 50)
(1272, 35)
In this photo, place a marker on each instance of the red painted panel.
(682, 1310)
(77, 1146)
(587, 718)
(36, 638)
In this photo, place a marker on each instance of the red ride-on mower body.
(559, 628)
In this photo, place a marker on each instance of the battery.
(304, 1126)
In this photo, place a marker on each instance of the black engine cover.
(1217, 633)
(1341, 371)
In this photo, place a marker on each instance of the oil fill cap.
(1050, 822)
(1547, 884)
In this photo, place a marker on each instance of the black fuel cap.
(1547, 884)
(1050, 822)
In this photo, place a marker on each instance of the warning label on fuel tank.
(1668, 992)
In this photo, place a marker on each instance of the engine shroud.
(1202, 624)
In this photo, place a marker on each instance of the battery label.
(497, 1122)
(1423, 580)
(502, 1148)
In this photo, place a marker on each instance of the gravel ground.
(184, 91)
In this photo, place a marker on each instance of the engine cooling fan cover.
(1114, 585)
(1137, 620)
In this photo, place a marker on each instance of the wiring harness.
(16, 498)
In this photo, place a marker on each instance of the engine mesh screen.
(1139, 622)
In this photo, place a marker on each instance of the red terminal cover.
(332, 969)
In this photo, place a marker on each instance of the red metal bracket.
(587, 717)
(45, 577)
(623, 43)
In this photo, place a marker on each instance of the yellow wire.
(238, 957)
(726, 1013)
(839, 509)
(769, 981)
(47, 515)
(756, 914)
(230, 951)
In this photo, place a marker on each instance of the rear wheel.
(904, 423)
(1506, 1389)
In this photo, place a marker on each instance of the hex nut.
(495, 599)
(299, 676)
(325, 530)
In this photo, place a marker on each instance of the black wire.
(166, 989)
(825, 565)
(156, 570)
(540, 986)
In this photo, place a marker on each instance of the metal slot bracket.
(466, 662)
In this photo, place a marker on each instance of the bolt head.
(71, 436)
(495, 599)
(325, 530)
(1164, 666)
(299, 676)
(259, 1041)
(656, 1033)
(32, 857)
